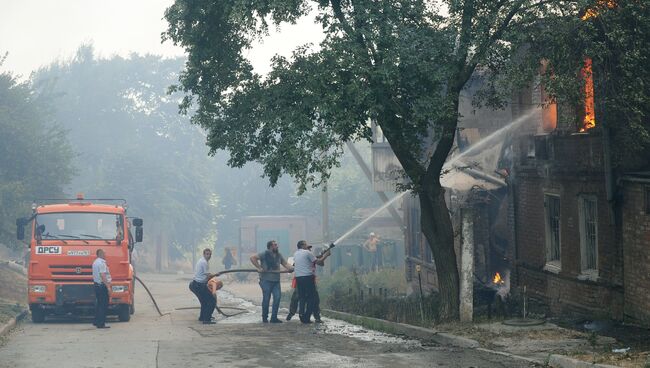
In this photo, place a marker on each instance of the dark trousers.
(293, 306)
(101, 304)
(270, 288)
(205, 298)
(307, 296)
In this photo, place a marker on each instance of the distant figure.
(228, 260)
(270, 260)
(199, 286)
(102, 283)
(372, 246)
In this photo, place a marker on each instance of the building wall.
(568, 166)
(636, 252)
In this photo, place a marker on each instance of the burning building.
(546, 210)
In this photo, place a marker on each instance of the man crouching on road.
(199, 286)
(270, 260)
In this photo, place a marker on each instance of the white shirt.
(99, 267)
(201, 271)
(304, 260)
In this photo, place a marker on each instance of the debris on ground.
(539, 342)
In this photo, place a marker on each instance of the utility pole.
(325, 207)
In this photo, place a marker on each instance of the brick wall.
(636, 252)
(572, 168)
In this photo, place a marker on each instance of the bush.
(346, 291)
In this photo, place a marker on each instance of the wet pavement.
(178, 340)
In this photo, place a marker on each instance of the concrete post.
(325, 214)
(467, 265)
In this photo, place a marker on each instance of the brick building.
(567, 250)
(636, 246)
(569, 230)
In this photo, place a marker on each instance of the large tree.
(132, 144)
(399, 63)
(35, 155)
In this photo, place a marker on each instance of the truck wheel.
(38, 315)
(132, 308)
(124, 314)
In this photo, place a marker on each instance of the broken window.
(552, 210)
(588, 212)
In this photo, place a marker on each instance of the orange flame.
(589, 120)
(595, 10)
(497, 279)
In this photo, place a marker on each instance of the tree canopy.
(401, 64)
(35, 154)
(132, 144)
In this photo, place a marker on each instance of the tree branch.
(498, 33)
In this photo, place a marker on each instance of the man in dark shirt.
(268, 265)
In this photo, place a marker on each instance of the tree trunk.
(438, 230)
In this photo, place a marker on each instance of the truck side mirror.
(20, 228)
(137, 222)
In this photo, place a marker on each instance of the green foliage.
(340, 282)
(132, 144)
(346, 291)
(35, 155)
(391, 279)
(348, 282)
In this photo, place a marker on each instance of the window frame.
(587, 271)
(552, 264)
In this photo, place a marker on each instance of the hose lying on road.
(151, 296)
(242, 310)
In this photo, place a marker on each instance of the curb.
(4, 330)
(561, 361)
(404, 329)
(555, 360)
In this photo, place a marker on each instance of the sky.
(37, 32)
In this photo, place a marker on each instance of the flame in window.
(589, 119)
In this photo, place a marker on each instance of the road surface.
(178, 340)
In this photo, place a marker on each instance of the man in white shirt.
(199, 286)
(305, 268)
(102, 283)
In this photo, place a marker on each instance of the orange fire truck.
(65, 235)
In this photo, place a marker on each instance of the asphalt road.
(178, 340)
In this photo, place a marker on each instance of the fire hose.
(241, 310)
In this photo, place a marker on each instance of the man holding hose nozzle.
(306, 263)
(270, 260)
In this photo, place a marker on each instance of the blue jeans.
(270, 288)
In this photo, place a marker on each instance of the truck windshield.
(79, 225)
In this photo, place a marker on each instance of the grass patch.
(9, 311)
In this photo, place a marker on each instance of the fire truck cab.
(65, 236)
